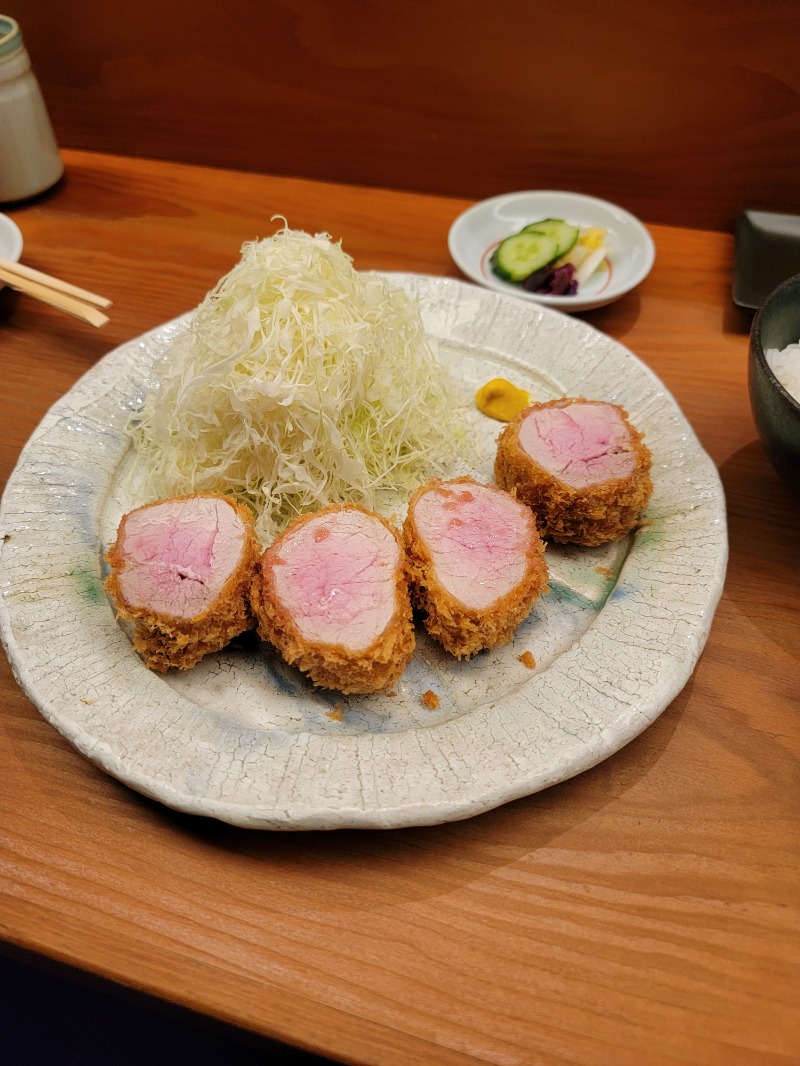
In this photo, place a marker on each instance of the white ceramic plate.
(10, 240)
(244, 738)
(476, 233)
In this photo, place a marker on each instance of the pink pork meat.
(475, 562)
(181, 571)
(330, 595)
(580, 466)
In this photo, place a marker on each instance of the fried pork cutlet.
(580, 466)
(475, 563)
(181, 571)
(330, 595)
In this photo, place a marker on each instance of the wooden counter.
(644, 912)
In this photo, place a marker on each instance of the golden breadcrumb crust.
(588, 516)
(164, 641)
(462, 630)
(335, 666)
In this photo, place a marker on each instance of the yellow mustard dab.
(500, 399)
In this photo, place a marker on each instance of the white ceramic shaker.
(29, 159)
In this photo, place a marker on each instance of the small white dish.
(10, 241)
(476, 232)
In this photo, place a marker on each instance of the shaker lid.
(10, 37)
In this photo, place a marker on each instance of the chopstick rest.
(73, 300)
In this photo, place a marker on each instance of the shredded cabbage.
(299, 383)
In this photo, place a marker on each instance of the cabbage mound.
(299, 383)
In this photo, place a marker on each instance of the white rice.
(785, 365)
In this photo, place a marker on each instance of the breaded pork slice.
(475, 562)
(330, 594)
(181, 571)
(580, 466)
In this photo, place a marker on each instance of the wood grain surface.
(643, 912)
(684, 113)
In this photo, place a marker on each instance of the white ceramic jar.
(29, 158)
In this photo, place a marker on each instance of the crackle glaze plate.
(243, 737)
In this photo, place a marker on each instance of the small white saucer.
(10, 241)
(476, 233)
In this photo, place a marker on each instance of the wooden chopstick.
(53, 283)
(56, 293)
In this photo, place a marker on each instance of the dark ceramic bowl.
(776, 412)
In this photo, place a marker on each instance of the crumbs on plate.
(528, 660)
(336, 713)
(430, 700)
(604, 571)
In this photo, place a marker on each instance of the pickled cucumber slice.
(518, 256)
(564, 234)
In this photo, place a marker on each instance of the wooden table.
(643, 912)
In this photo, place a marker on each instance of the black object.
(775, 410)
(766, 253)
(55, 1015)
